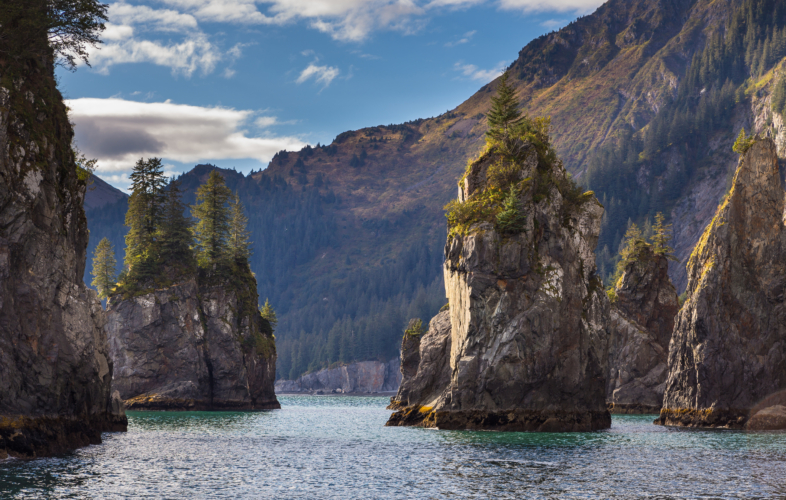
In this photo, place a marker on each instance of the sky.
(232, 82)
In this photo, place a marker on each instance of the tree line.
(721, 75)
(163, 245)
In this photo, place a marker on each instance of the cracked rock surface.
(528, 342)
(727, 358)
(642, 320)
(55, 368)
(191, 347)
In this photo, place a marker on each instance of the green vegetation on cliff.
(641, 172)
(104, 268)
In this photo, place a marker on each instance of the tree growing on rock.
(174, 234)
(211, 232)
(239, 243)
(143, 218)
(104, 268)
(504, 117)
(269, 314)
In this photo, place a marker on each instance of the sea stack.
(528, 343)
(642, 319)
(55, 368)
(727, 358)
(198, 345)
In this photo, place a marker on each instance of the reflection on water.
(337, 447)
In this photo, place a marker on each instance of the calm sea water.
(337, 447)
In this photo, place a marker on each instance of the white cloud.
(266, 121)
(194, 53)
(151, 19)
(482, 75)
(577, 6)
(464, 39)
(118, 132)
(322, 74)
(116, 32)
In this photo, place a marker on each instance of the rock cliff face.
(425, 369)
(528, 345)
(642, 319)
(55, 368)
(362, 377)
(192, 347)
(727, 357)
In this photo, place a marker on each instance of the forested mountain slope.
(646, 98)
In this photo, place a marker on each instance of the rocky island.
(644, 304)
(528, 338)
(727, 359)
(55, 367)
(183, 322)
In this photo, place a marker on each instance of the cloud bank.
(118, 132)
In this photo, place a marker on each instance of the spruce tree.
(504, 116)
(174, 235)
(239, 244)
(661, 237)
(269, 314)
(211, 231)
(510, 219)
(104, 268)
(143, 217)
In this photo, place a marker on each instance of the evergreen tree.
(269, 314)
(143, 216)
(239, 244)
(661, 237)
(104, 265)
(211, 231)
(510, 219)
(174, 236)
(504, 115)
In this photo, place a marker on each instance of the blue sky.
(233, 81)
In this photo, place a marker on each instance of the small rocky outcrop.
(193, 347)
(728, 352)
(55, 368)
(363, 377)
(425, 370)
(528, 347)
(642, 319)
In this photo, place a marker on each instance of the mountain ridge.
(349, 235)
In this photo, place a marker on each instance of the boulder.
(192, 347)
(642, 319)
(728, 350)
(528, 345)
(55, 367)
(772, 418)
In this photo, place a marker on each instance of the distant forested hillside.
(645, 97)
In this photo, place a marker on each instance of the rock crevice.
(192, 347)
(727, 358)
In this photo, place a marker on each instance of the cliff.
(728, 353)
(365, 377)
(55, 368)
(425, 368)
(528, 342)
(198, 345)
(642, 319)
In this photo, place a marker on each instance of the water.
(337, 447)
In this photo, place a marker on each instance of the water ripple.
(337, 447)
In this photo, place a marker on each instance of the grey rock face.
(361, 377)
(727, 357)
(425, 369)
(191, 347)
(55, 368)
(528, 337)
(642, 320)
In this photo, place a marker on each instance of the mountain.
(101, 194)
(645, 99)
